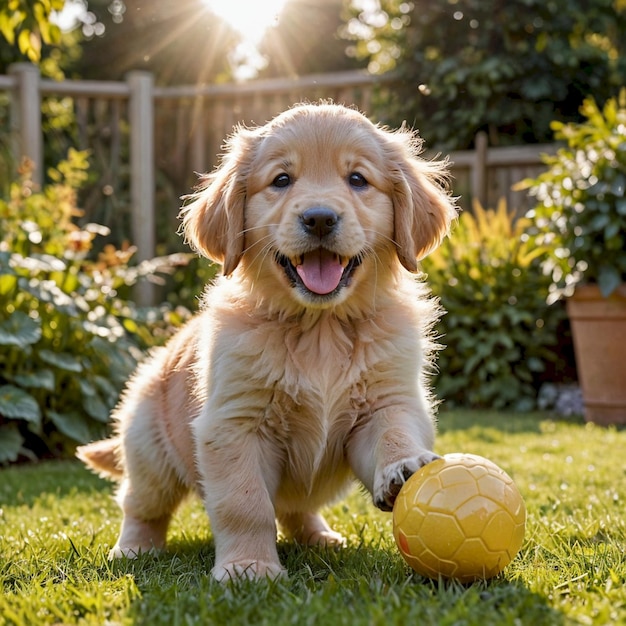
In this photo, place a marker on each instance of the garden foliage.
(580, 213)
(69, 335)
(498, 331)
(507, 68)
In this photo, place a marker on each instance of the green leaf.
(92, 401)
(86, 388)
(48, 291)
(23, 41)
(19, 330)
(130, 325)
(601, 220)
(15, 403)
(609, 280)
(612, 230)
(5, 261)
(72, 425)
(41, 379)
(7, 27)
(36, 263)
(106, 387)
(96, 408)
(8, 283)
(10, 443)
(62, 360)
(535, 364)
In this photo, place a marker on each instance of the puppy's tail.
(103, 457)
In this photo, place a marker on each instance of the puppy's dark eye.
(357, 180)
(281, 181)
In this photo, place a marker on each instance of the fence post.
(26, 117)
(479, 169)
(142, 176)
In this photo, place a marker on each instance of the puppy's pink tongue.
(320, 271)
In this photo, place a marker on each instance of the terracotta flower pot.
(599, 333)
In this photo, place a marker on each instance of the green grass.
(57, 522)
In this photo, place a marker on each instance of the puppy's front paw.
(249, 569)
(390, 479)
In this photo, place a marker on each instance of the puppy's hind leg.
(148, 495)
(147, 504)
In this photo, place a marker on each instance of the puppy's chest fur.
(320, 362)
(308, 371)
(315, 382)
(316, 400)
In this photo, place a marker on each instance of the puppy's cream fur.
(276, 395)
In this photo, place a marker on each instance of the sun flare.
(250, 17)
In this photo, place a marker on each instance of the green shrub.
(188, 281)
(498, 331)
(581, 201)
(68, 339)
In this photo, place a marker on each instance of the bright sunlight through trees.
(251, 19)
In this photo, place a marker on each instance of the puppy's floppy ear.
(423, 208)
(213, 223)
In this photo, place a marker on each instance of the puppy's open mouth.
(321, 272)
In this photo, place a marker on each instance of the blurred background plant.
(506, 68)
(69, 333)
(580, 215)
(500, 336)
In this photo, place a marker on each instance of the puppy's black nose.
(319, 220)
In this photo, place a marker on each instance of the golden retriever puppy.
(306, 366)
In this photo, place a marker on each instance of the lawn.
(57, 522)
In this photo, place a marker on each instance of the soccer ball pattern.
(459, 517)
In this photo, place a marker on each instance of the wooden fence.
(147, 141)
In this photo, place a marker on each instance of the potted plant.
(580, 216)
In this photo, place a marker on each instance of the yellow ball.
(459, 517)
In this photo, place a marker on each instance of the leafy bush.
(498, 330)
(187, 282)
(508, 68)
(68, 340)
(580, 214)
